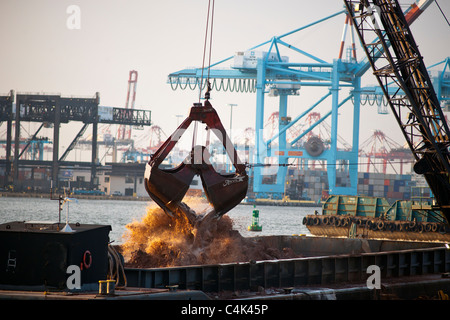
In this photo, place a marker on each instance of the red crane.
(124, 132)
(380, 147)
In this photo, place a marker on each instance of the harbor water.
(275, 220)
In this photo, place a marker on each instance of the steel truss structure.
(57, 110)
(395, 57)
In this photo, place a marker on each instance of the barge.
(42, 260)
(326, 268)
(36, 256)
(374, 218)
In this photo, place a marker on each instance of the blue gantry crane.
(269, 72)
(440, 77)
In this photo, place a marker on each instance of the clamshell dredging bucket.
(167, 187)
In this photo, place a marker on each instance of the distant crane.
(156, 136)
(381, 147)
(124, 131)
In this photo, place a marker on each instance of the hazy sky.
(39, 53)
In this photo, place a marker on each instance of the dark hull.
(375, 228)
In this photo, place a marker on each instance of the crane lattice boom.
(394, 56)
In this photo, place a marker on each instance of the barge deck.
(320, 264)
(337, 262)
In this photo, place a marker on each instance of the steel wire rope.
(249, 85)
(204, 51)
(171, 83)
(366, 98)
(209, 15)
(245, 85)
(442, 12)
(116, 268)
(194, 136)
(181, 87)
(248, 81)
(253, 85)
(226, 84)
(189, 82)
(221, 85)
(227, 81)
(233, 87)
(240, 86)
(210, 41)
(214, 85)
(352, 99)
(379, 100)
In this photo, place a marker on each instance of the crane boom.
(124, 132)
(411, 14)
(396, 57)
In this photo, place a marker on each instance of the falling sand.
(163, 241)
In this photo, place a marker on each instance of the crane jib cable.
(194, 136)
(405, 162)
(443, 14)
(209, 15)
(252, 165)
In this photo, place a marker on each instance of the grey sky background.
(40, 54)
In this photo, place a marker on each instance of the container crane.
(267, 71)
(381, 147)
(395, 57)
(260, 72)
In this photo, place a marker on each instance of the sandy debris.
(162, 241)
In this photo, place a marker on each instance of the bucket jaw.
(167, 187)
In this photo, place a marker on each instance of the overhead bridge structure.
(55, 110)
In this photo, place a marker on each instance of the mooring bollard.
(106, 287)
(110, 287)
(102, 287)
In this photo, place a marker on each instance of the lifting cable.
(442, 12)
(209, 15)
(116, 268)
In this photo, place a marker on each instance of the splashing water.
(162, 241)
